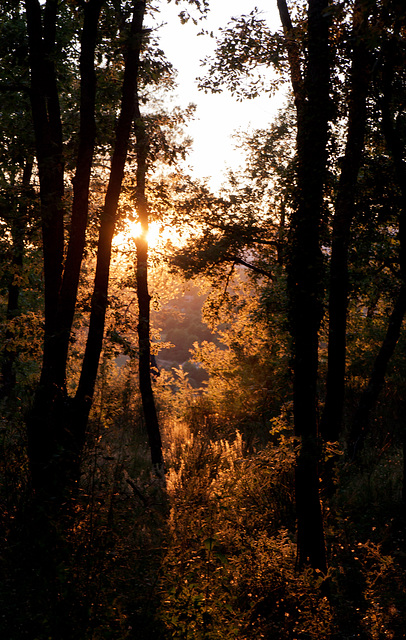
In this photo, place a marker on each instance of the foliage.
(216, 531)
(247, 226)
(209, 550)
(212, 553)
(245, 49)
(248, 368)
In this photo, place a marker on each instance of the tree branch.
(293, 54)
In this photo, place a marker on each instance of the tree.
(18, 220)
(17, 199)
(306, 52)
(305, 265)
(389, 96)
(360, 77)
(57, 423)
(309, 64)
(143, 328)
(73, 48)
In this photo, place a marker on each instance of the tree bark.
(81, 184)
(304, 265)
(293, 51)
(360, 425)
(395, 145)
(48, 140)
(42, 436)
(84, 394)
(143, 328)
(331, 421)
(56, 424)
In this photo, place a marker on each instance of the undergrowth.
(208, 552)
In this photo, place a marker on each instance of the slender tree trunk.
(48, 140)
(42, 436)
(81, 184)
(331, 421)
(360, 426)
(84, 394)
(396, 148)
(143, 328)
(305, 267)
(293, 50)
(43, 431)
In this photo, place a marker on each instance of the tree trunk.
(305, 268)
(43, 447)
(331, 421)
(48, 140)
(81, 184)
(395, 146)
(143, 328)
(84, 394)
(57, 424)
(370, 395)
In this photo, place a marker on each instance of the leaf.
(209, 544)
(221, 557)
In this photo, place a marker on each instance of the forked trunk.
(57, 424)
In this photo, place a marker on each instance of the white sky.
(217, 115)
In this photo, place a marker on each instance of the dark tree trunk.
(143, 328)
(360, 425)
(42, 437)
(293, 51)
(305, 268)
(81, 183)
(84, 394)
(48, 140)
(57, 424)
(395, 145)
(331, 421)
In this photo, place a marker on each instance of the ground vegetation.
(257, 353)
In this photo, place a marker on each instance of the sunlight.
(158, 235)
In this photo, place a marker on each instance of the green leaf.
(209, 543)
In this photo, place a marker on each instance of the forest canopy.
(202, 418)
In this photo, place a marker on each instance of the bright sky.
(218, 115)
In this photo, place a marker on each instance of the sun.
(125, 239)
(158, 235)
